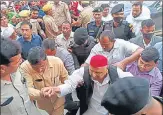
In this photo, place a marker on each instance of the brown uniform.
(54, 75)
(51, 28)
(85, 16)
(61, 14)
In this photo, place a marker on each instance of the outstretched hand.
(49, 91)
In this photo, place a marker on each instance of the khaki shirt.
(85, 16)
(61, 41)
(54, 75)
(61, 13)
(51, 28)
(36, 28)
(21, 103)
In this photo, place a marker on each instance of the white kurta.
(99, 90)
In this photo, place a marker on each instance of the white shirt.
(107, 18)
(137, 21)
(99, 90)
(9, 25)
(146, 45)
(61, 41)
(120, 50)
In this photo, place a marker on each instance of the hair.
(34, 8)
(9, 49)
(35, 55)
(26, 23)
(107, 33)
(67, 22)
(138, 4)
(150, 54)
(148, 23)
(104, 6)
(49, 44)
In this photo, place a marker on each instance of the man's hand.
(121, 65)
(70, 50)
(39, 20)
(49, 91)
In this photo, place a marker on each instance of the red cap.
(98, 61)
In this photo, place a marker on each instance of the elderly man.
(137, 16)
(95, 80)
(44, 71)
(146, 67)
(147, 38)
(14, 94)
(28, 40)
(51, 49)
(120, 27)
(10, 33)
(115, 50)
(66, 39)
(51, 28)
(131, 96)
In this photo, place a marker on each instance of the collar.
(151, 73)
(71, 36)
(4, 82)
(94, 22)
(28, 41)
(116, 45)
(145, 45)
(106, 81)
(50, 65)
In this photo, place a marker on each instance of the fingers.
(48, 91)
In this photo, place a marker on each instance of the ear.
(3, 69)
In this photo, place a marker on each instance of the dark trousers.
(70, 105)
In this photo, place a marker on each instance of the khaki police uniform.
(21, 103)
(54, 75)
(85, 16)
(61, 14)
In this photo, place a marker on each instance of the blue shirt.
(27, 45)
(93, 29)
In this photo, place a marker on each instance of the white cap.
(3, 7)
(6, 33)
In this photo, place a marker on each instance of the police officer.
(121, 28)
(93, 27)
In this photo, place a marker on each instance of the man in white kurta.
(98, 71)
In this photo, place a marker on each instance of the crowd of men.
(58, 56)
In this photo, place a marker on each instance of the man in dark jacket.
(83, 44)
(131, 97)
